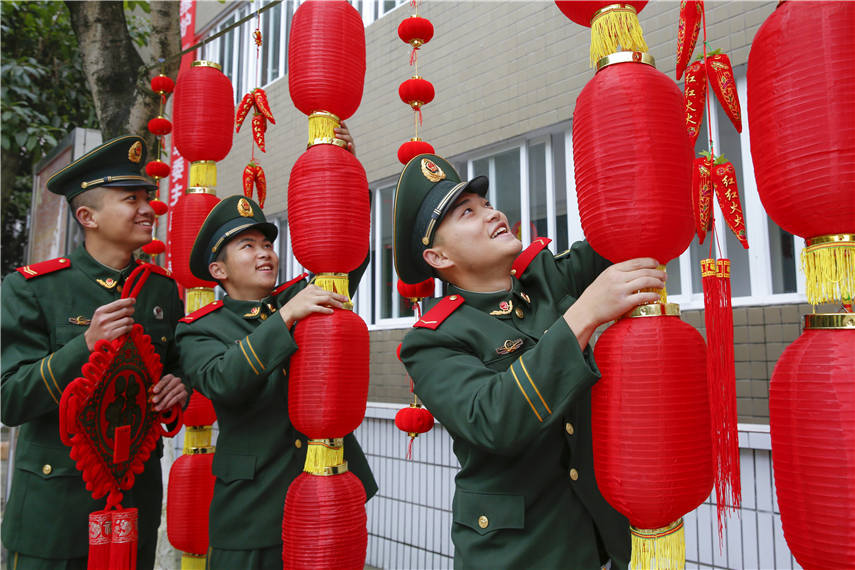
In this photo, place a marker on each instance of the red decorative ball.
(326, 58)
(651, 420)
(200, 411)
(328, 386)
(203, 111)
(415, 31)
(413, 148)
(188, 499)
(328, 210)
(160, 126)
(157, 169)
(414, 419)
(190, 212)
(583, 12)
(161, 84)
(633, 164)
(417, 290)
(416, 92)
(811, 407)
(801, 134)
(159, 207)
(154, 247)
(324, 523)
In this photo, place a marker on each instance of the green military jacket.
(238, 357)
(505, 375)
(46, 307)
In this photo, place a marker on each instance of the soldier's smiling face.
(248, 267)
(124, 216)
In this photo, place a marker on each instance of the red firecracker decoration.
(190, 490)
(192, 209)
(801, 110)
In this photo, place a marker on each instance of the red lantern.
(189, 494)
(416, 31)
(614, 26)
(801, 110)
(583, 12)
(160, 126)
(326, 70)
(811, 411)
(416, 92)
(327, 191)
(413, 148)
(161, 84)
(633, 162)
(651, 421)
(159, 207)
(200, 411)
(190, 212)
(324, 523)
(157, 169)
(328, 389)
(414, 420)
(154, 247)
(203, 110)
(416, 291)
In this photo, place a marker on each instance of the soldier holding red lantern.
(504, 362)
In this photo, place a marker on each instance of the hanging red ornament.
(416, 92)
(157, 169)
(189, 493)
(691, 16)
(192, 209)
(159, 207)
(412, 148)
(415, 30)
(160, 126)
(200, 411)
(414, 420)
(416, 291)
(154, 247)
(161, 84)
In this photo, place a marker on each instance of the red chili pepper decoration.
(248, 179)
(724, 182)
(260, 184)
(720, 74)
(694, 94)
(243, 110)
(261, 104)
(702, 191)
(691, 13)
(259, 126)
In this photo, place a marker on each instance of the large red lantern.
(188, 500)
(190, 212)
(811, 412)
(633, 162)
(801, 110)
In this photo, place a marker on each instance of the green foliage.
(139, 25)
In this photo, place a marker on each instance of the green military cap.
(226, 221)
(117, 163)
(427, 188)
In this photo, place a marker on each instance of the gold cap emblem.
(135, 152)
(243, 208)
(431, 171)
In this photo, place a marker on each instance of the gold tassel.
(334, 283)
(323, 453)
(829, 266)
(203, 173)
(321, 125)
(615, 28)
(659, 549)
(197, 297)
(193, 562)
(197, 437)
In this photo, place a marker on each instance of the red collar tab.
(199, 313)
(433, 318)
(284, 286)
(44, 267)
(528, 254)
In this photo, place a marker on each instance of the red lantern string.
(415, 92)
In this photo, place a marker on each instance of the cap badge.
(431, 171)
(135, 152)
(243, 208)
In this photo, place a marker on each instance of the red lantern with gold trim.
(416, 92)
(161, 84)
(188, 500)
(412, 148)
(160, 126)
(190, 211)
(157, 169)
(416, 31)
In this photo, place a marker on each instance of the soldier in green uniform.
(236, 352)
(503, 362)
(53, 312)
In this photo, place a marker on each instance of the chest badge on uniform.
(505, 308)
(432, 171)
(253, 312)
(108, 283)
(509, 346)
(158, 312)
(79, 320)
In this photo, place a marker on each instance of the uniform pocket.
(228, 467)
(46, 462)
(488, 512)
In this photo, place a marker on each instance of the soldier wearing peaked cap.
(53, 312)
(236, 352)
(504, 362)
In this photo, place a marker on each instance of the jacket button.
(163, 339)
(483, 521)
(47, 469)
(298, 444)
(569, 427)
(574, 474)
(519, 312)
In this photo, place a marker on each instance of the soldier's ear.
(86, 217)
(436, 258)
(218, 270)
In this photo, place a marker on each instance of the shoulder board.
(44, 267)
(433, 318)
(528, 254)
(199, 313)
(564, 253)
(284, 286)
(157, 269)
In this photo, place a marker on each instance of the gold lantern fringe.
(197, 297)
(663, 292)
(615, 28)
(659, 549)
(334, 283)
(323, 453)
(193, 562)
(321, 129)
(828, 263)
(203, 173)
(197, 437)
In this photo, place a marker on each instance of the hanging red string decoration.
(189, 494)
(691, 14)
(416, 91)
(811, 406)
(801, 112)
(157, 169)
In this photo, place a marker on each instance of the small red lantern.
(188, 500)
(414, 420)
(154, 247)
(157, 169)
(161, 84)
(192, 209)
(200, 411)
(416, 31)
(160, 126)
(328, 189)
(412, 148)
(415, 292)
(416, 92)
(326, 70)
(159, 207)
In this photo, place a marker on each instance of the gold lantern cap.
(830, 321)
